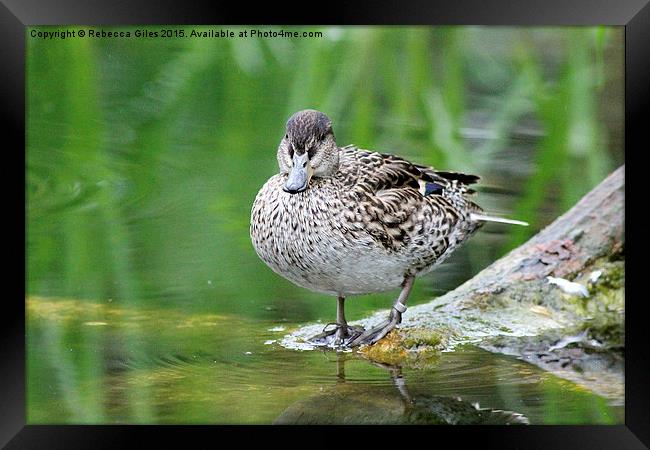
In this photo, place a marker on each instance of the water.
(103, 363)
(145, 300)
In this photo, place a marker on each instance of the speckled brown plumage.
(363, 229)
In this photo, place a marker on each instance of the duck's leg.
(376, 333)
(341, 332)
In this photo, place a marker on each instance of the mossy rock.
(603, 311)
(409, 347)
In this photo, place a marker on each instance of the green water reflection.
(108, 364)
(144, 157)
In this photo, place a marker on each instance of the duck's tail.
(484, 218)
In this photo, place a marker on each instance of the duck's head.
(308, 149)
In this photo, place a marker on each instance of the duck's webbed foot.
(399, 307)
(374, 334)
(336, 336)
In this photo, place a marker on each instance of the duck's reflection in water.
(391, 403)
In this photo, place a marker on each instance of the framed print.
(381, 216)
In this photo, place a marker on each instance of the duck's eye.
(286, 136)
(290, 151)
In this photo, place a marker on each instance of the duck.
(345, 221)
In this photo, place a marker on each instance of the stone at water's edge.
(511, 308)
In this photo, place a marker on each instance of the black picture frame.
(634, 15)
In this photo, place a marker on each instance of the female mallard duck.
(346, 221)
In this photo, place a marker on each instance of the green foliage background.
(147, 153)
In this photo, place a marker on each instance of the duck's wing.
(373, 172)
(396, 200)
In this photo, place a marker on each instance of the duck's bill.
(299, 175)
